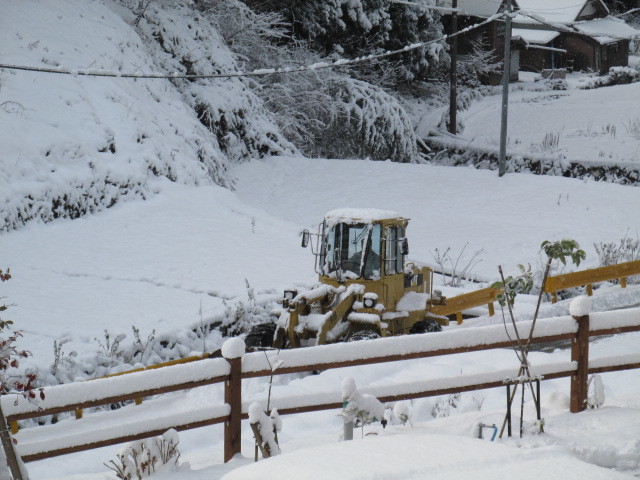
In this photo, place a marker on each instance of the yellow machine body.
(366, 283)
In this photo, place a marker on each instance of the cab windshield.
(351, 251)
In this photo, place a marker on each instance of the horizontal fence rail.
(141, 421)
(108, 390)
(588, 277)
(456, 305)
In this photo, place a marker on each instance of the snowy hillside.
(79, 144)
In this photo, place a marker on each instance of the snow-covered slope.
(73, 145)
(600, 125)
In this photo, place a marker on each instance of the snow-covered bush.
(616, 76)
(402, 412)
(611, 253)
(623, 75)
(632, 126)
(625, 250)
(456, 269)
(360, 408)
(549, 144)
(142, 459)
(455, 404)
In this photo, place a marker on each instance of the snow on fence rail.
(136, 422)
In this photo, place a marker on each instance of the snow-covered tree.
(367, 122)
(325, 112)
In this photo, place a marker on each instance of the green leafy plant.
(562, 249)
(512, 286)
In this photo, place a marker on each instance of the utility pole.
(505, 91)
(453, 73)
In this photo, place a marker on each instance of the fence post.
(580, 354)
(12, 458)
(233, 350)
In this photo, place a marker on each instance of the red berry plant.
(10, 356)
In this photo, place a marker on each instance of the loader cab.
(361, 246)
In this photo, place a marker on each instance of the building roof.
(560, 11)
(607, 30)
(537, 37)
(474, 8)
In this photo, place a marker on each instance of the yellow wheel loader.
(367, 287)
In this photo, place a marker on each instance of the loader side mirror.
(404, 246)
(305, 238)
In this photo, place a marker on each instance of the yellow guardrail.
(588, 277)
(459, 303)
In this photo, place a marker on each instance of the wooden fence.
(137, 422)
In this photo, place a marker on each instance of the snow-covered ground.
(577, 124)
(153, 264)
(190, 254)
(158, 264)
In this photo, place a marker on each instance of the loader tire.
(363, 335)
(260, 336)
(425, 326)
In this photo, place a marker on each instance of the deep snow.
(155, 260)
(186, 254)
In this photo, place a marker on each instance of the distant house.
(491, 35)
(587, 38)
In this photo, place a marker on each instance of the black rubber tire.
(363, 335)
(425, 326)
(260, 336)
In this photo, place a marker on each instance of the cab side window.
(394, 262)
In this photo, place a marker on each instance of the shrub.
(142, 459)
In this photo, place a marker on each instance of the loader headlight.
(369, 302)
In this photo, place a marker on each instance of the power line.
(254, 73)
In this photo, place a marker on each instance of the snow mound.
(580, 306)
(233, 348)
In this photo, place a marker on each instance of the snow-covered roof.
(538, 37)
(476, 8)
(559, 11)
(607, 30)
(362, 215)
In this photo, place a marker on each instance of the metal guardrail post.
(580, 354)
(348, 431)
(509, 400)
(233, 397)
